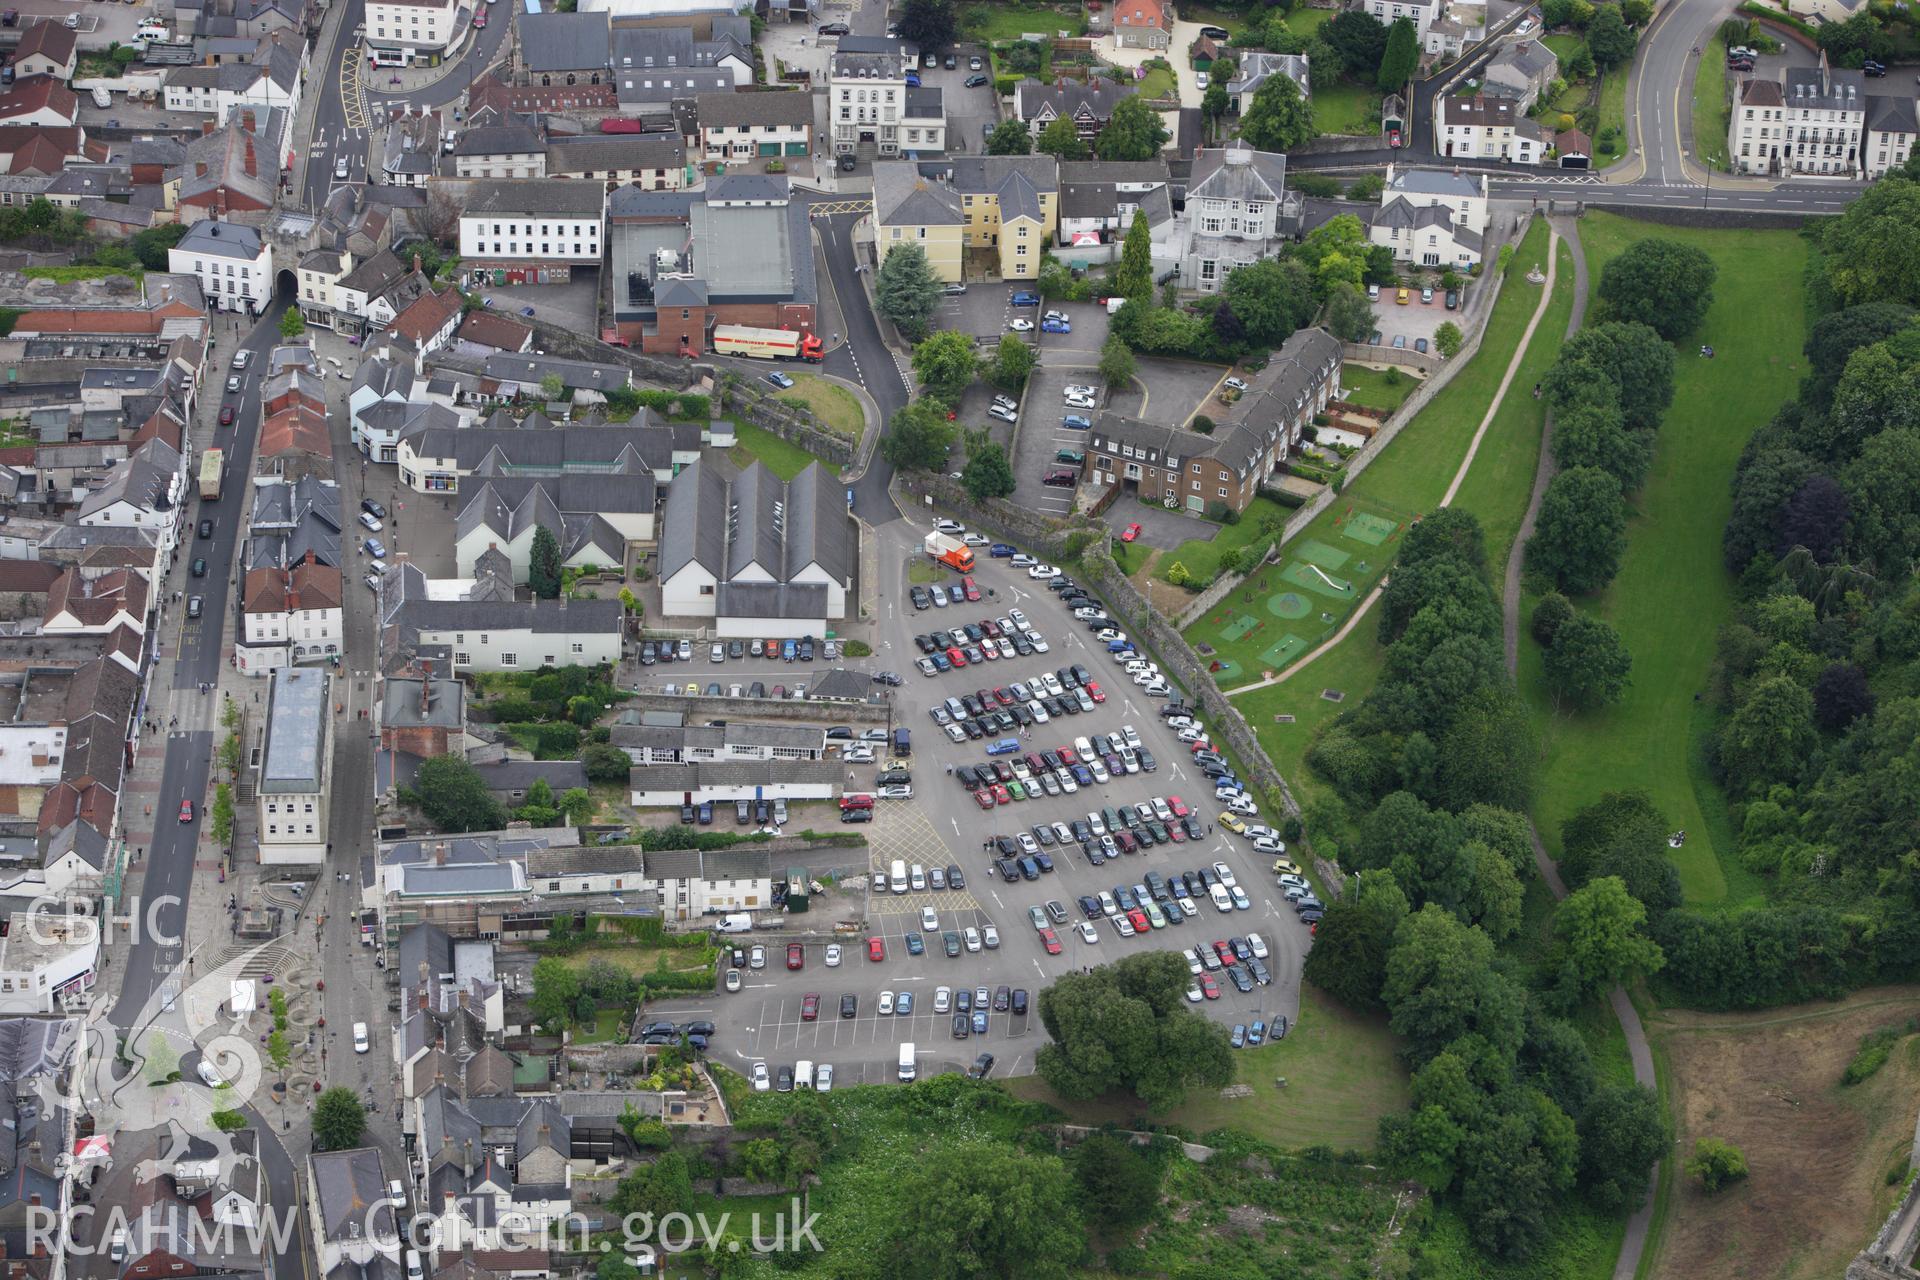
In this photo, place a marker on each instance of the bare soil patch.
(1818, 1152)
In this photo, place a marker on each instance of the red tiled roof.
(33, 93)
(427, 316)
(94, 601)
(494, 331)
(50, 39)
(160, 426)
(295, 430)
(27, 575)
(65, 320)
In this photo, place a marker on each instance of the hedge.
(1770, 14)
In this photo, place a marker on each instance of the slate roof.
(1890, 114)
(351, 1186)
(594, 153)
(1256, 68)
(563, 41)
(729, 520)
(903, 197)
(1251, 175)
(1034, 99)
(537, 196)
(726, 110)
(215, 239)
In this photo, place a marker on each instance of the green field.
(1202, 558)
(835, 406)
(1710, 106)
(1304, 22)
(1371, 389)
(1346, 107)
(996, 23)
(784, 459)
(1613, 112)
(1673, 594)
(1496, 490)
(1342, 1075)
(1157, 83)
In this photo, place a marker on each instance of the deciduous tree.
(1599, 941)
(1010, 138)
(1061, 140)
(1587, 665)
(1127, 1026)
(1582, 531)
(1278, 118)
(1609, 38)
(1119, 1185)
(928, 24)
(1717, 1163)
(1350, 316)
(988, 474)
(1623, 1134)
(1660, 283)
(1134, 132)
(1116, 363)
(918, 437)
(1271, 299)
(454, 797)
(980, 1209)
(946, 363)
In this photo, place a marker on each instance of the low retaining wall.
(793, 423)
(1337, 143)
(1378, 353)
(759, 708)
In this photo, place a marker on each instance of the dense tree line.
(1509, 1118)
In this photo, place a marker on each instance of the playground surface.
(1280, 613)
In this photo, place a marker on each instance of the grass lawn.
(922, 572)
(1372, 389)
(1652, 739)
(638, 960)
(1234, 21)
(1496, 490)
(1202, 559)
(756, 443)
(1564, 46)
(1710, 106)
(1613, 113)
(605, 1028)
(834, 405)
(995, 23)
(1346, 107)
(1342, 1075)
(1158, 83)
(1304, 22)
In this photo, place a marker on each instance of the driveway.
(1159, 527)
(1413, 321)
(944, 826)
(1044, 433)
(971, 113)
(1175, 390)
(1082, 346)
(1184, 34)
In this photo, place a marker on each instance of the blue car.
(1002, 551)
(787, 650)
(1055, 326)
(979, 1022)
(904, 1004)
(1257, 1032)
(1116, 646)
(1076, 422)
(1024, 298)
(941, 661)
(1082, 775)
(913, 79)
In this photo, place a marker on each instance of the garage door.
(796, 148)
(768, 150)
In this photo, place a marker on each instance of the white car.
(1078, 389)
(1267, 844)
(1020, 325)
(1260, 831)
(1066, 780)
(951, 527)
(972, 937)
(1107, 904)
(942, 999)
(833, 955)
(1081, 402)
(1038, 712)
(1258, 945)
(1122, 926)
(360, 1041)
(886, 1003)
(979, 539)
(1088, 613)
(761, 1082)
(757, 958)
(1225, 873)
(1238, 384)
(1222, 900)
(733, 980)
(822, 1074)
(852, 754)
(1028, 845)
(990, 936)
(1243, 805)
(929, 919)
(1054, 687)
(1099, 771)
(896, 791)
(1155, 688)
(1043, 572)
(1109, 635)
(1194, 994)
(1130, 735)
(1088, 934)
(1015, 616)
(1038, 641)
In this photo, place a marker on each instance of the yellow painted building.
(1006, 204)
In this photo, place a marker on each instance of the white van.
(101, 98)
(907, 1067)
(897, 876)
(803, 1075)
(739, 922)
(414, 1271)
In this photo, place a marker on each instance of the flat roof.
(296, 732)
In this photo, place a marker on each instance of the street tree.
(1401, 58)
(946, 364)
(1582, 531)
(222, 815)
(965, 1209)
(1350, 316)
(906, 290)
(292, 324)
(1660, 283)
(1012, 362)
(556, 989)
(454, 797)
(929, 24)
(1854, 257)
(988, 474)
(1278, 118)
(1609, 38)
(339, 1120)
(1587, 665)
(1133, 278)
(1010, 138)
(918, 437)
(1134, 132)
(543, 564)
(1061, 140)
(1116, 363)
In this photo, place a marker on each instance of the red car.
(972, 591)
(1393, 137)
(1068, 757)
(1208, 987)
(480, 21)
(186, 811)
(1178, 806)
(1050, 942)
(1093, 691)
(1138, 919)
(226, 415)
(1177, 830)
(876, 949)
(1001, 795)
(809, 1006)
(957, 658)
(1003, 697)
(1225, 953)
(796, 955)
(1133, 531)
(984, 797)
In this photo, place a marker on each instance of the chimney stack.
(440, 855)
(416, 262)
(206, 128)
(252, 168)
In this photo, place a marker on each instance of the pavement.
(943, 826)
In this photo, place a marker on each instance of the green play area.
(1279, 614)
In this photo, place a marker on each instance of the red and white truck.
(767, 344)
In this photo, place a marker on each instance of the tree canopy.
(918, 437)
(1581, 532)
(972, 1209)
(1134, 132)
(906, 290)
(988, 474)
(1126, 1026)
(339, 1119)
(543, 564)
(454, 797)
(1010, 138)
(1278, 118)
(946, 363)
(1662, 284)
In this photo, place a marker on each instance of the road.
(864, 358)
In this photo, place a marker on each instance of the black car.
(956, 878)
(962, 1026)
(199, 566)
(920, 598)
(1020, 1000)
(742, 812)
(686, 815)
(891, 678)
(1238, 976)
(373, 508)
(1009, 870)
(206, 528)
(196, 605)
(783, 1083)
(1002, 997)
(706, 813)
(975, 82)
(834, 29)
(649, 653)
(950, 942)
(981, 1065)
(737, 650)
(806, 651)
(849, 1006)
(856, 815)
